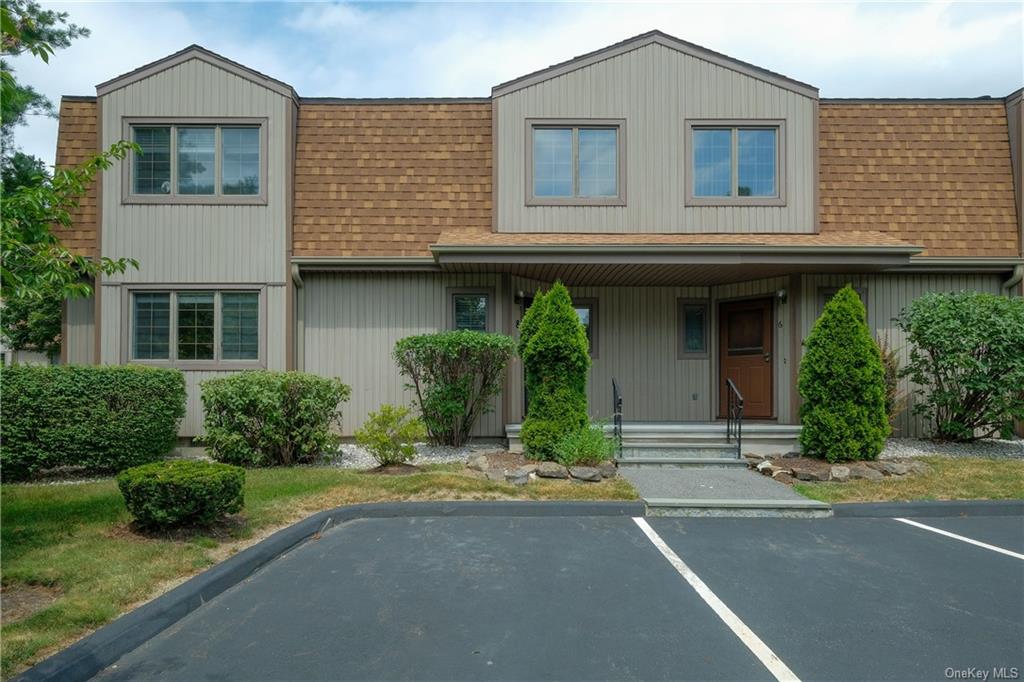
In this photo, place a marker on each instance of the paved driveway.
(614, 598)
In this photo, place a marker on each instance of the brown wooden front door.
(745, 355)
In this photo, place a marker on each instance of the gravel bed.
(897, 448)
(351, 456)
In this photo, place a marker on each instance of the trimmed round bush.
(179, 492)
(102, 418)
(262, 418)
(391, 434)
(556, 357)
(842, 384)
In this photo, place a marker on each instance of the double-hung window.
(200, 162)
(205, 326)
(575, 163)
(735, 163)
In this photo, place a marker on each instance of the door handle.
(767, 357)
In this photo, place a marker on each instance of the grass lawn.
(949, 479)
(72, 546)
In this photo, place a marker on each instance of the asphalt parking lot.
(473, 598)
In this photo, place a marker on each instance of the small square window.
(470, 311)
(693, 329)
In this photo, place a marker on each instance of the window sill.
(576, 201)
(196, 200)
(733, 202)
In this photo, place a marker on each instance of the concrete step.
(648, 462)
(631, 448)
(737, 507)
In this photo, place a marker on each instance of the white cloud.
(926, 49)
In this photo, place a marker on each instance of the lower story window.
(470, 311)
(195, 325)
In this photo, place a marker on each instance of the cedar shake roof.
(77, 141)
(936, 174)
(860, 238)
(375, 179)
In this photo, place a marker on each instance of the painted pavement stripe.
(961, 538)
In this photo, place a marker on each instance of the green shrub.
(842, 384)
(165, 494)
(895, 399)
(455, 375)
(967, 359)
(556, 359)
(102, 418)
(262, 418)
(390, 435)
(588, 446)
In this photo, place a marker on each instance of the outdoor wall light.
(782, 295)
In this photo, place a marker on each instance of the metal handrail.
(734, 416)
(617, 416)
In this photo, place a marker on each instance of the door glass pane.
(196, 160)
(745, 332)
(152, 326)
(598, 166)
(694, 328)
(712, 162)
(195, 326)
(240, 324)
(151, 168)
(240, 160)
(552, 162)
(756, 159)
(470, 311)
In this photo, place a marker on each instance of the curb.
(90, 655)
(930, 508)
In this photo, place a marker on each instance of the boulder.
(764, 467)
(810, 472)
(496, 475)
(585, 473)
(608, 469)
(784, 477)
(861, 471)
(840, 473)
(896, 469)
(552, 470)
(478, 463)
(518, 476)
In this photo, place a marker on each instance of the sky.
(434, 49)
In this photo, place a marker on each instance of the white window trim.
(128, 195)
(689, 177)
(575, 124)
(217, 363)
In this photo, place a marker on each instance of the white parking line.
(774, 664)
(961, 538)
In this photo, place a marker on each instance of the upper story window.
(737, 163)
(202, 162)
(573, 163)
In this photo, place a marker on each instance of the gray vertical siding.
(655, 88)
(887, 295)
(81, 331)
(351, 323)
(197, 244)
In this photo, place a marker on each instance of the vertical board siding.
(887, 295)
(637, 341)
(81, 338)
(351, 323)
(655, 89)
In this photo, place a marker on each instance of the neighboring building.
(699, 208)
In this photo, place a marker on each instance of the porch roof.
(668, 259)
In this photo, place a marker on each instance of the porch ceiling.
(668, 259)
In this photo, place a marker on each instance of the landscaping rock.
(784, 477)
(552, 470)
(840, 474)
(529, 468)
(810, 472)
(519, 476)
(496, 475)
(764, 467)
(866, 472)
(585, 473)
(478, 463)
(918, 467)
(896, 469)
(608, 469)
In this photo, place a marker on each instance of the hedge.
(842, 384)
(262, 418)
(101, 418)
(178, 492)
(556, 357)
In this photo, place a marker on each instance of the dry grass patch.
(76, 543)
(950, 478)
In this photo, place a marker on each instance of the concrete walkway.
(706, 491)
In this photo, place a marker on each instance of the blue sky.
(847, 49)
